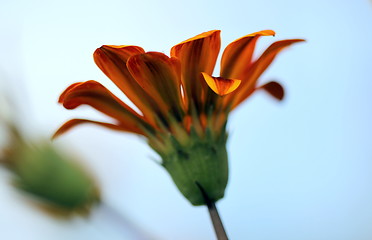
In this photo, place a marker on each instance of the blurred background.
(299, 169)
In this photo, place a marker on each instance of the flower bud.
(58, 183)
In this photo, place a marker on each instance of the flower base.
(202, 163)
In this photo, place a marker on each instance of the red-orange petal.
(63, 94)
(67, 126)
(261, 64)
(112, 60)
(252, 74)
(274, 89)
(197, 54)
(160, 77)
(221, 86)
(237, 56)
(97, 96)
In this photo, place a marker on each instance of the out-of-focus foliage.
(52, 180)
(39, 169)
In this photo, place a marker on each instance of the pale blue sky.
(300, 169)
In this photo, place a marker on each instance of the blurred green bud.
(58, 183)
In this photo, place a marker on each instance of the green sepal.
(202, 161)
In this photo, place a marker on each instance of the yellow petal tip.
(221, 86)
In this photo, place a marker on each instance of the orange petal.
(252, 74)
(197, 54)
(74, 122)
(221, 86)
(237, 55)
(63, 94)
(159, 76)
(112, 60)
(97, 96)
(274, 89)
(261, 64)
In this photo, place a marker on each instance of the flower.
(182, 108)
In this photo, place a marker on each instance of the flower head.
(182, 108)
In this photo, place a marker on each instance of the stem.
(215, 217)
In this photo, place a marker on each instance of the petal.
(197, 54)
(74, 122)
(112, 60)
(159, 76)
(237, 55)
(252, 74)
(63, 94)
(97, 96)
(221, 86)
(274, 89)
(261, 64)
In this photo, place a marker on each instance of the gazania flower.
(182, 108)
